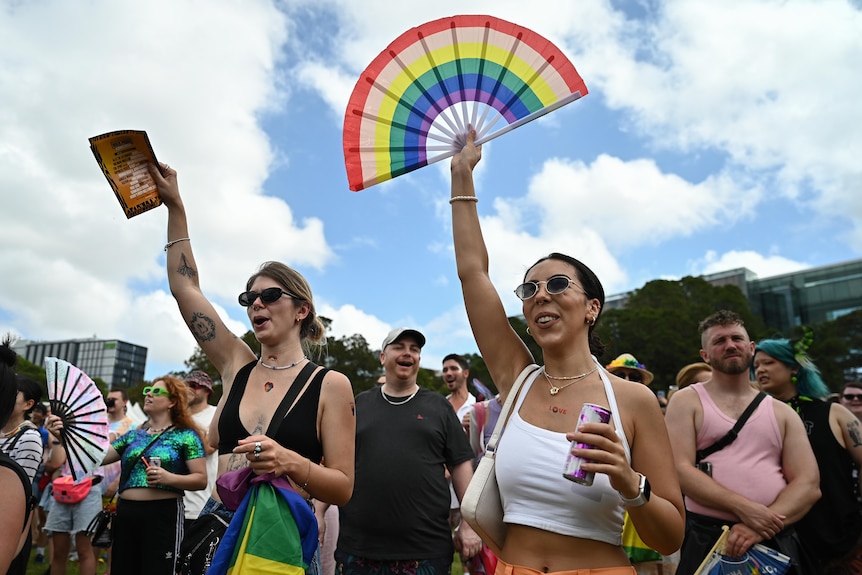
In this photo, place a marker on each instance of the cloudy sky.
(715, 136)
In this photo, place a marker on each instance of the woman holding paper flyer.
(555, 524)
(279, 304)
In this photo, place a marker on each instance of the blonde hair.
(687, 373)
(312, 329)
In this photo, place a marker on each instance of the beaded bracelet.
(463, 199)
(169, 244)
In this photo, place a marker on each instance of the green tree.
(351, 356)
(837, 349)
(659, 323)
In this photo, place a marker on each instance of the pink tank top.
(751, 465)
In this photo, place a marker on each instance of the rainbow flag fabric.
(273, 531)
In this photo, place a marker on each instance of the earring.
(589, 320)
(793, 379)
(528, 331)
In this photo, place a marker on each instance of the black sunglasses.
(553, 285)
(629, 375)
(267, 296)
(852, 396)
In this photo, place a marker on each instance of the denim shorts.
(74, 517)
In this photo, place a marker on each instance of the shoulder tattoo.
(202, 326)
(853, 429)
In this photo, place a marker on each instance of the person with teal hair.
(832, 529)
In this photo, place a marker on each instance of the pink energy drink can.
(590, 413)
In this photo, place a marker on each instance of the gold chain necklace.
(555, 389)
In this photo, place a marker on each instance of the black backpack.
(6, 461)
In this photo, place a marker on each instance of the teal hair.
(808, 381)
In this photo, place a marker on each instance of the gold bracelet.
(307, 475)
(463, 199)
(169, 244)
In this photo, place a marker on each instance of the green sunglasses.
(156, 391)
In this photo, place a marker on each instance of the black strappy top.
(298, 431)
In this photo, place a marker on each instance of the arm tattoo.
(855, 433)
(202, 327)
(185, 269)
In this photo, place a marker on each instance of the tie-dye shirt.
(174, 447)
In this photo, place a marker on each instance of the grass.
(72, 569)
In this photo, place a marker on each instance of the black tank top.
(834, 524)
(298, 430)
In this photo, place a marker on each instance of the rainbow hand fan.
(416, 101)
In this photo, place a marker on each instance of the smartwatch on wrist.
(642, 496)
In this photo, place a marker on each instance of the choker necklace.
(555, 389)
(152, 431)
(402, 402)
(280, 367)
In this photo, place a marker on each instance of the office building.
(117, 363)
(806, 297)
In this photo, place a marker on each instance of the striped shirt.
(27, 449)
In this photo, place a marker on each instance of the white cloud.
(762, 265)
(167, 69)
(348, 320)
(713, 76)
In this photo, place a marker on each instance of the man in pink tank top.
(760, 484)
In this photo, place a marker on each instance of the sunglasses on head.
(553, 285)
(630, 375)
(852, 396)
(156, 391)
(267, 296)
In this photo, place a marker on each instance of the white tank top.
(529, 470)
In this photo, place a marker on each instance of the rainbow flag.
(634, 546)
(273, 531)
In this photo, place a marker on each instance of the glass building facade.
(810, 296)
(805, 297)
(117, 363)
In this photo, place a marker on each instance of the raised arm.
(226, 351)
(501, 348)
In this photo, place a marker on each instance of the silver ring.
(256, 455)
(257, 448)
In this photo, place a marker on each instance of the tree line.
(658, 325)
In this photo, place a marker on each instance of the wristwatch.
(642, 496)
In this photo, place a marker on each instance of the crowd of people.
(744, 439)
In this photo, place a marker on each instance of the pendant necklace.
(402, 402)
(267, 387)
(555, 389)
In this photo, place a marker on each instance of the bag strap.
(124, 476)
(491, 447)
(731, 435)
(7, 449)
(290, 397)
(6, 461)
